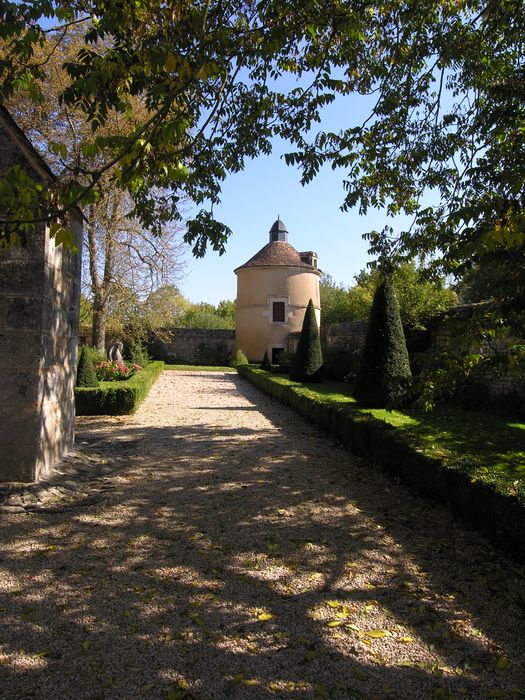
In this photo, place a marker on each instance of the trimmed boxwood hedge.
(500, 517)
(117, 398)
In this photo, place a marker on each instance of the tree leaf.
(334, 623)
(264, 616)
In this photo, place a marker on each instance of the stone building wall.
(195, 346)
(39, 312)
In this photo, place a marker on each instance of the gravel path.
(239, 553)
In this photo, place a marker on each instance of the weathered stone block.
(20, 388)
(18, 464)
(21, 312)
(27, 277)
(20, 350)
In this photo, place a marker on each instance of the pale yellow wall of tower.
(256, 288)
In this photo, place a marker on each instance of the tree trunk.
(99, 326)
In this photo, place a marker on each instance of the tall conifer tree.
(384, 368)
(308, 361)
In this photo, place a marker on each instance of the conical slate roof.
(276, 253)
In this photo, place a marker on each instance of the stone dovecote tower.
(273, 290)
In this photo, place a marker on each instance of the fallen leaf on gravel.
(264, 616)
(407, 640)
(316, 575)
(502, 663)
(43, 653)
(376, 634)
(360, 674)
(176, 694)
(86, 645)
(333, 603)
(334, 623)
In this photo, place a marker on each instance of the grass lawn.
(487, 447)
(199, 368)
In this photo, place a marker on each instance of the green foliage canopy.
(419, 298)
(447, 78)
(335, 303)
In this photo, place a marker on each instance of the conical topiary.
(384, 368)
(266, 364)
(307, 364)
(86, 372)
(239, 359)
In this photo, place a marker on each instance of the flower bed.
(109, 371)
(443, 477)
(115, 398)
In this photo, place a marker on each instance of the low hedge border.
(117, 398)
(500, 517)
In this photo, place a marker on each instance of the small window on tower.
(278, 312)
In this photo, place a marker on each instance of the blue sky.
(252, 199)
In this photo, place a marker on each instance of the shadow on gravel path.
(240, 553)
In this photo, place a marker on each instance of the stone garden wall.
(441, 334)
(39, 313)
(344, 335)
(195, 346)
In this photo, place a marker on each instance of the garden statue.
(114, 352)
